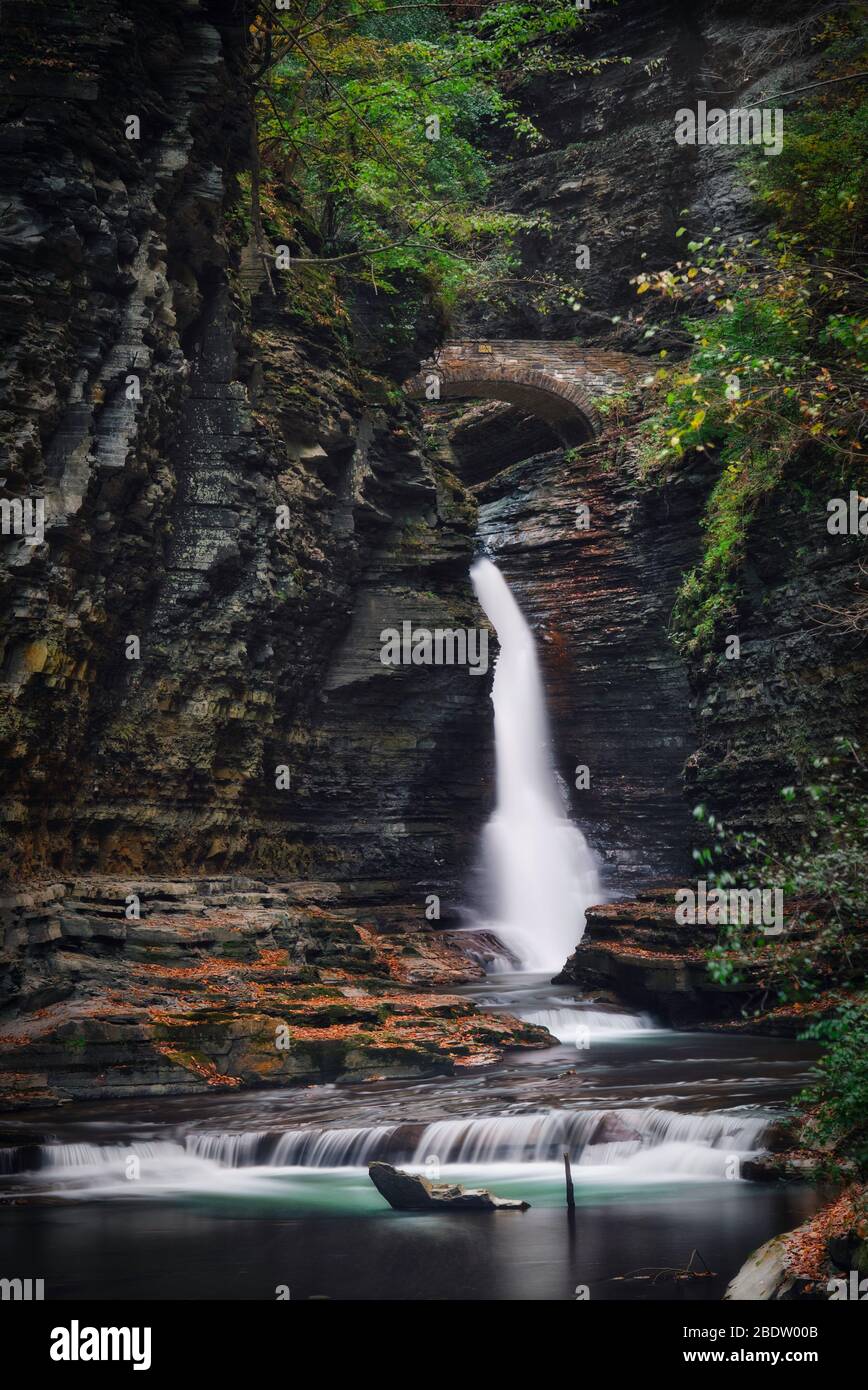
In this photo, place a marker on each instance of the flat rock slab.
(763, 1277)
(412, 1192)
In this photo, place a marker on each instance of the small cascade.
(577, 1024)
(634, 1141)
(102, 1156)
(542, 1137)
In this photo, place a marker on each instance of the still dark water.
(237, 1196)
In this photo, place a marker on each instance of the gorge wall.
(255, 642)
(259, 646)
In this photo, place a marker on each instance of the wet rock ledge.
(635, 953)
(228, 982)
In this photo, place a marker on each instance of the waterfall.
(574, 1025)
(631, 1142)
(537, 863)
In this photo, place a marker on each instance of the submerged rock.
(412, 1192)
(612, 1130)
(798, 1166)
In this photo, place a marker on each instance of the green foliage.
(822, 181)
(350, 177)
(615, 407)
(772, 393)
(518, 34)
(821, 875)
(818, 186)
(774, 377)
(837, 1106)
(708, 598)
(769, 376)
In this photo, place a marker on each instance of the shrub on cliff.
(836, 1108)
(772, 392)
(818, 965)
(821, 874)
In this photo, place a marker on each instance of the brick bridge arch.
(557, 381)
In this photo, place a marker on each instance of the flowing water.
(237, 1196)
(231, 1196)
(540, 872)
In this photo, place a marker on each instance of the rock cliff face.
(255, 646)
(110, 243)
(611, 177)
(259, 647)
(802, 675)
(599, 601)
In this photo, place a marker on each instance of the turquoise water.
(235, 1196)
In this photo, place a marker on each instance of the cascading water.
(538, 865)
(631, 1143)
(575, 1025)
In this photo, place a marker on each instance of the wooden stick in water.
(568, 1175)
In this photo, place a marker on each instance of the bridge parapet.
(556, 380)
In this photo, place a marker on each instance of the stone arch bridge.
(558, 381)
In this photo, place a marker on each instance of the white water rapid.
(538, 866)
(627, 1146)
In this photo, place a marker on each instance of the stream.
(233, 1196)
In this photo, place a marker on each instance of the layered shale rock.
(658, 733)
(189, 686)
(191, 690)
(228, 982)
(187, 683)
(94, 318)
(637, 953)
(610, 175)
(801, 678)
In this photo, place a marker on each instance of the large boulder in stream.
(764, 1277)
(412, 1192)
